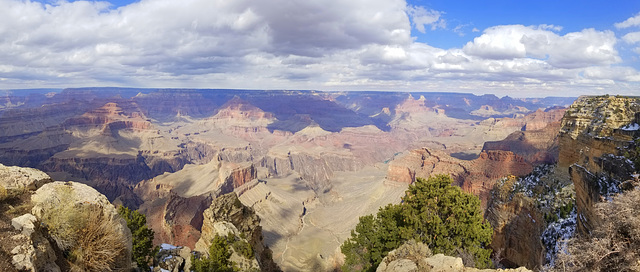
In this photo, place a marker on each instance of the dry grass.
(3, 193)
(88, 238)
(97, 244)
(613, 245)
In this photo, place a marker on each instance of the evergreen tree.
(218, 259)
(434, 212)
(143, 250)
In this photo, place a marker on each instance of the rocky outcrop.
(517, 227)
(416, 257)
(21, 178)
(592, 126)
(34, 252)
(595, 132)
(54, 195)
(239, 109)
(173, 259)
(112, 116)
(228, 230)
(227, 212)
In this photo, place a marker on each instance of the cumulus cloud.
(310, 44)
(633, 21)
(422, 17)
(633, 37)
(572, 50)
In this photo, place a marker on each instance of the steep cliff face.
(476, 176)
(517, 227)
(595, 132)
(228, 208)
(592, 127)
(537, 142)
(315, 170)
(174, 202)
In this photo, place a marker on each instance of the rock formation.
(416, 257)
(537, 142)
(595, 131)
(476, 176)
(517, 227)
(227, 214)
(173, 258)
(33, 251)
(37, 249)
(21, 178)
(53, 195)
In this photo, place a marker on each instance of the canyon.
(309, 163)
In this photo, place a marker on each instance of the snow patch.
(168, 247)
(631, 127)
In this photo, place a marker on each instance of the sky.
(504, 47)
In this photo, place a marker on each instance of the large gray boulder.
(22, 178)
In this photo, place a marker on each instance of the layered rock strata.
(476, 176)
(595, 132)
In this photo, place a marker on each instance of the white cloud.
(573, 50)
(633, 21)
(422, 17)
(633, 37)
(284, 44)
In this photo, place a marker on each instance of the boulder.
(415, 256)
(25, 223)
(52, 196)
(22, 178)
(173, 258)
(34, 252)
(442, 263)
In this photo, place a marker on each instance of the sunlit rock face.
(475, 176)
(595, 133)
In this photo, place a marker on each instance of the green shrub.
(433, 212)
(143, 250)
(218, 259)
(243, 248)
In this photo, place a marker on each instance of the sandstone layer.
(595, 132)
(476, 176)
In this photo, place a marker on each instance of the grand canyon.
(332, 135)
(309, 163)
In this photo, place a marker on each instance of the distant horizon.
(310, 90)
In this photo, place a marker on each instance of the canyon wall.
(595, 132)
